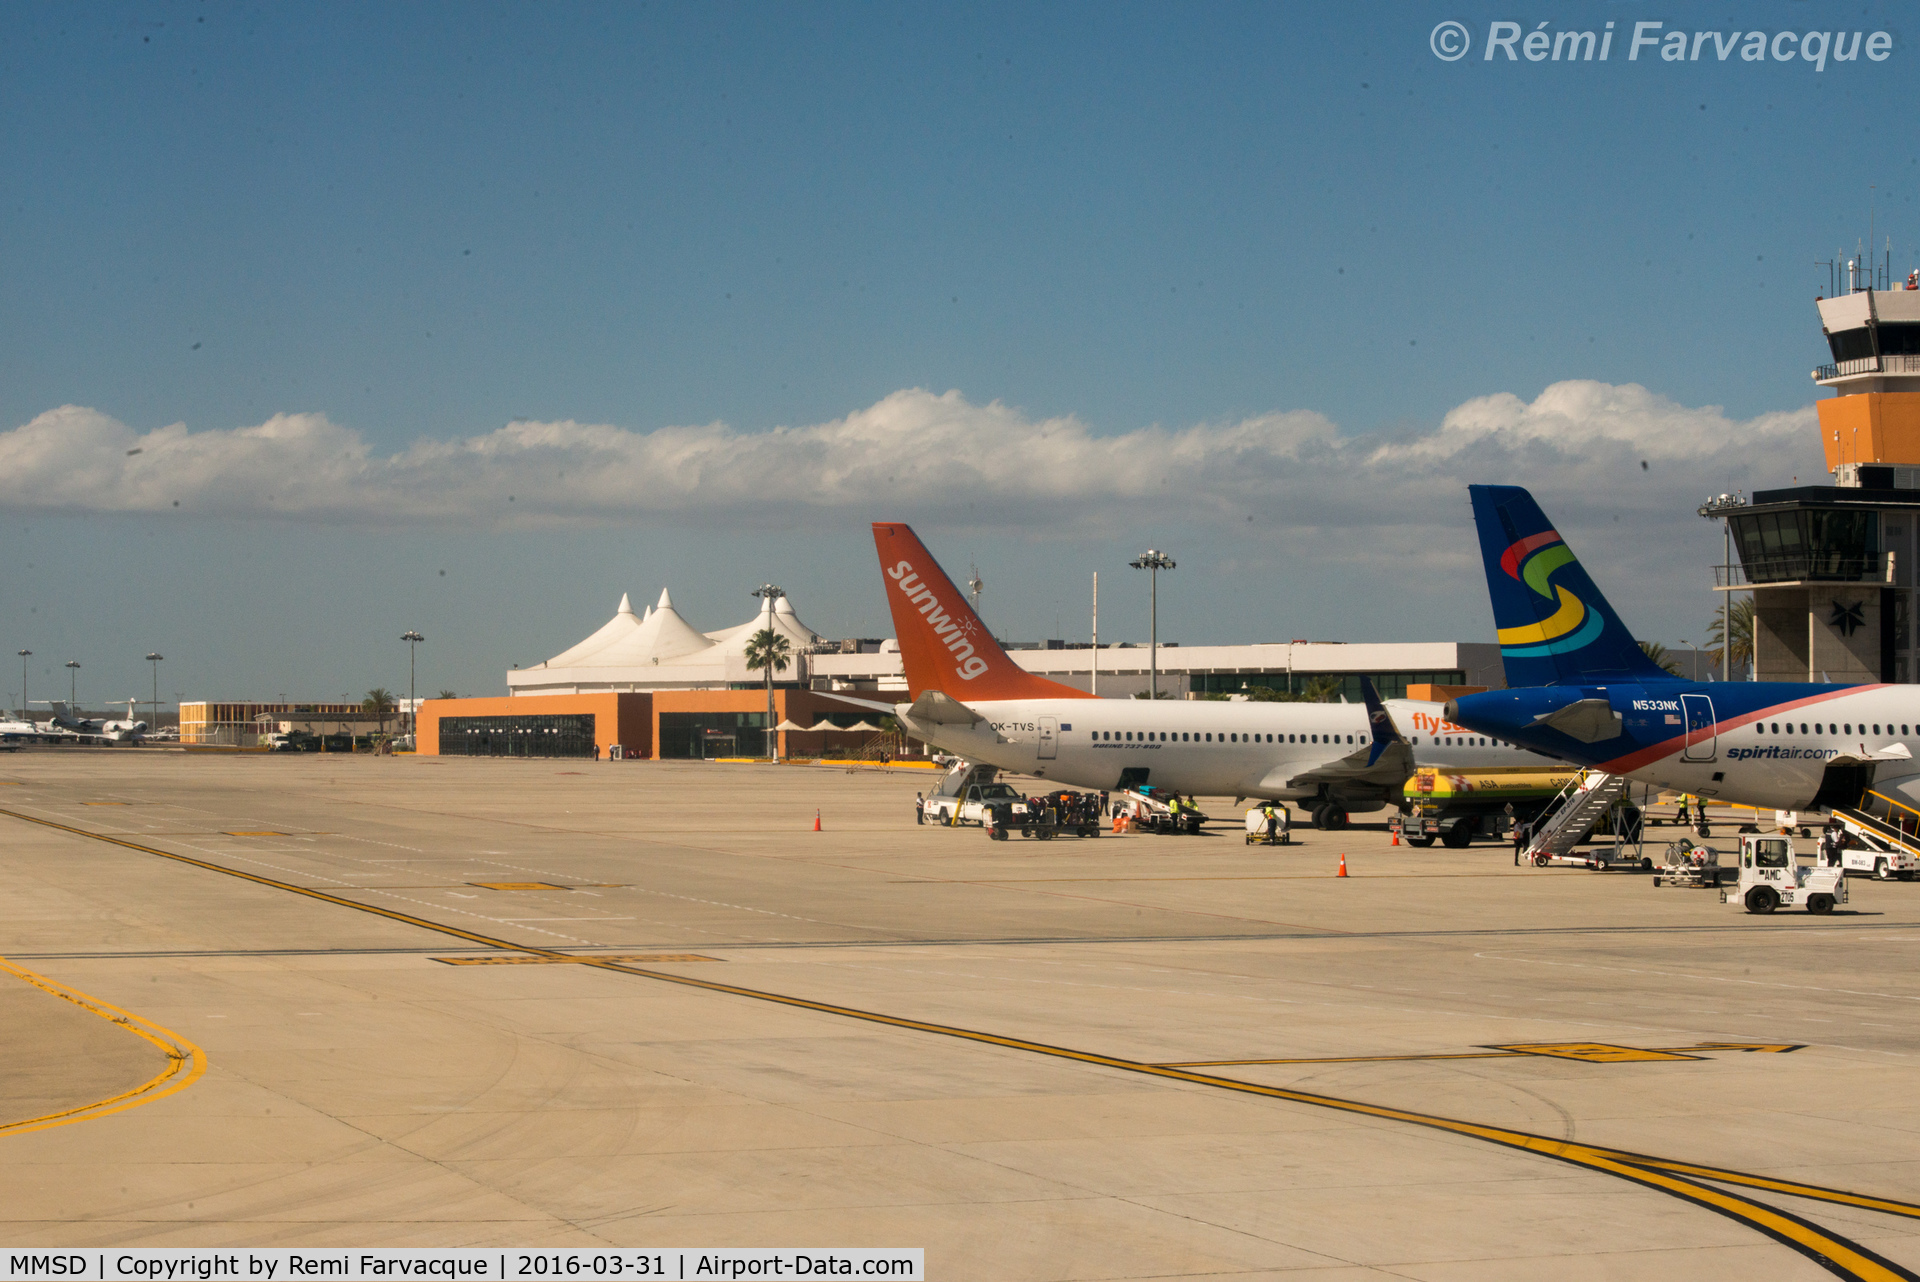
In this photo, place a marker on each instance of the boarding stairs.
(1891, 837)
(1582, 803)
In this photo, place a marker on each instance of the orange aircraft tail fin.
(943, 644)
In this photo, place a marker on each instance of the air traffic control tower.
(1831, 567)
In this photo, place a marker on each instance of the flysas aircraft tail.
(1555, 628)
(943, 644)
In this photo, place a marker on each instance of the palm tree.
(1742, 616)
(768, 652)
(447, 694)
(1658, 653)
(378, 703)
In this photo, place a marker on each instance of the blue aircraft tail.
(1555, 628)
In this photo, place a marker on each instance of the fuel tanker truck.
(1458, 805)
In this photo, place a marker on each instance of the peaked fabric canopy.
(628, 640)
(620, 625)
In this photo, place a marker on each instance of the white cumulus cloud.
(918, 455)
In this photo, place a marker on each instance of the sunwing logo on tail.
(956, 634)
(1532, 561)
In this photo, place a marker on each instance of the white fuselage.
(1202, 747)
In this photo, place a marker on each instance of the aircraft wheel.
(1320, 816)
(1762, 899)
(1336, 818)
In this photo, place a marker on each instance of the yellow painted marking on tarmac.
(517, 885)
(1839, 1255)
(106, 803)
(1587, 1052)
(185, 1061)
(549, 961)
(1593, 1052)
(264, 832)
(1339, 1059)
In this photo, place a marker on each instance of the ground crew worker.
(1273, 824)
(1681, 817)
(1522, 835)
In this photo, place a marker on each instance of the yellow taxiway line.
(1837, 1254)
(185, 1061)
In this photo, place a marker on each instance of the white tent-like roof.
(622, 624)
(662, 651)
(781, 619)
(630, 640)
(662, 637)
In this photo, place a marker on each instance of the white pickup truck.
(963, 795)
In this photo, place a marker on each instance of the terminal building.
(1831, 567)
(653, 685)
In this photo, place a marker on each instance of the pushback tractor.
(1770, 878)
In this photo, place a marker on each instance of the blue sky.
(423, 223)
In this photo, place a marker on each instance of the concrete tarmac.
(474, 1002)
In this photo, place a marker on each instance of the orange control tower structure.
(1873, 419)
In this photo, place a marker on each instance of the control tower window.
(1784, 547)
(1857, 344)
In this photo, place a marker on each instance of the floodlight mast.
(1153, 561)
(73, 688)
(24, 705)
(412, 639)
(768, 593)
(155, 658)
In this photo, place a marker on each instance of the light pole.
(1153, 561)
(412, 639)
(73, 688)
(768, 593)
(1722, 508)
(26, 712)
(154, 657)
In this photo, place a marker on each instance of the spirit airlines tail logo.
(956, 634)
(1532, 561)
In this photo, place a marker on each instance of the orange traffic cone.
(1343, 864)
(816, 822)
(1396, 837)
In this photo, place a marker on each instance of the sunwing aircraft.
(970, 698)
(1581, 688)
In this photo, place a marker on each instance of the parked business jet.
(125, 731)
(970, 698)
(61, 724)
(1581, 688)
